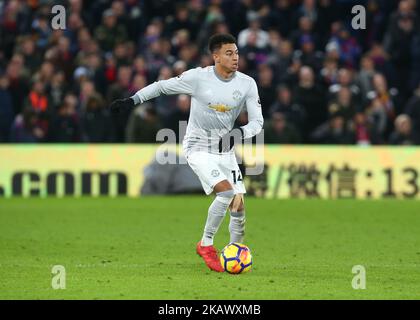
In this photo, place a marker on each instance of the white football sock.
(237, 226)
(217, 211)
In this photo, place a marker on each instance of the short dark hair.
(218, 40)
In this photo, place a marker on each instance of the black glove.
(121, 105)
(227, 141)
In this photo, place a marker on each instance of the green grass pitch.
(145, 249)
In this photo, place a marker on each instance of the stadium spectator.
(143, 125)
(294, 113)
(261, 36)
(346, 79)
(329, 72)
(280, 17)
(312, 98)
(65, 125)
(96, 122)
(18, 84)
(181, 21)
(56, 89)
(253, 54)
(109, 33)
(30, 54)
(334, 131)
(266, 88)
(364, 131)
(305, 30)
(348, 48)
(364, 78)
(403, 133)
(26, 129)
(42, 29)
(6, 109)
(307, 54)
(279, 131)
(343, 105)
(402, 27)
(38, 101)
(413, 111)
(384, 101)
(87, 89)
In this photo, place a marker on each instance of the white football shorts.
(214, 168)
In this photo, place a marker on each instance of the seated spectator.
(253, 54)
(143, 125)
(345, 79)
(364, 78)
(329, 72)
(389, 97)
(376, 114)
(279, 131)
(403, 133)
(305, 30)
(334, 131)
(266, 88)
(413, 111)
(57, 89)
(26, 129)
(280, 59)
(19, 85)
(96, 121)
(383, 101)
(312, 99)
(348, 47)
(262, 37)
(38, 101)
(293, 112)
(6, 109)
(402, 27)
(109, 33)
(343, 104)
(364, 131)
(122, 88)
(65, 125)
(307, 54)
(31, 55)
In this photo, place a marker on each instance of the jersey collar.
(220, 78)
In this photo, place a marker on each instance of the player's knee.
(222, 186)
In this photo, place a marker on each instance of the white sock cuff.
(238, 214)
(225, 197)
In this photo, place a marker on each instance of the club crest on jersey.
(215, 173)
(237, 95)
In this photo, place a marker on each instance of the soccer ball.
(236, 258)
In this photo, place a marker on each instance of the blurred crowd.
(320, 81)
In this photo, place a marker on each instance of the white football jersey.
(215, 105)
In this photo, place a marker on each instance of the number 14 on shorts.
(237, 176)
